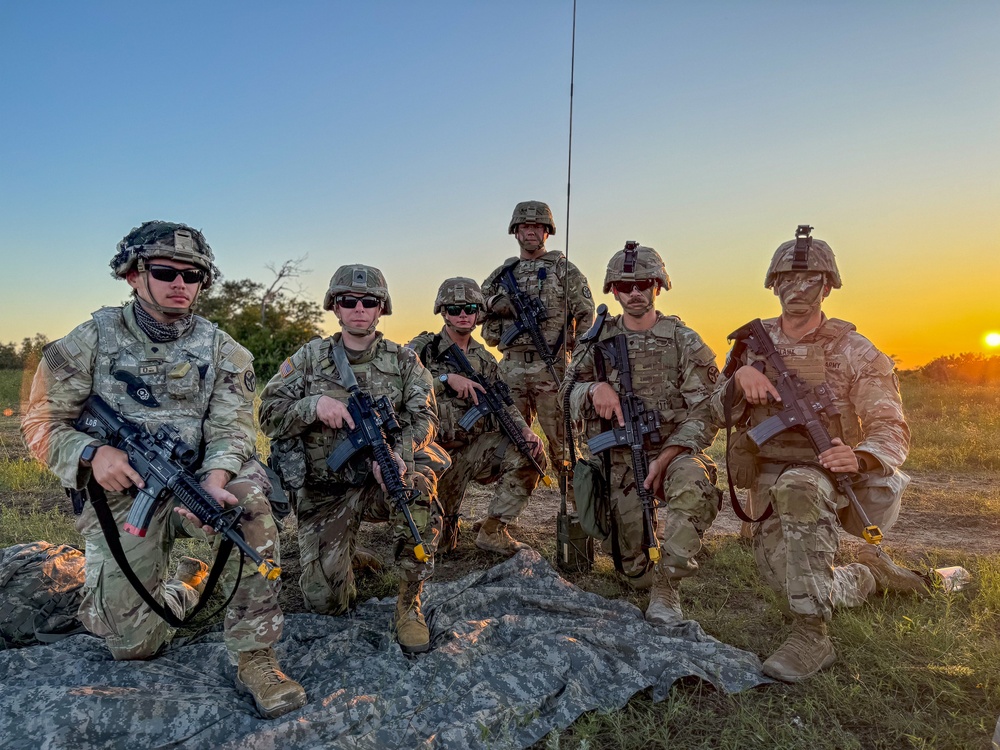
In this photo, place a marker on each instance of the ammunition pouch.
(288, 462)
(593, 506)
(881, 498)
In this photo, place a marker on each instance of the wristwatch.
(444, 378)
(88, 454)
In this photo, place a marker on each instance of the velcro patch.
(286, 369)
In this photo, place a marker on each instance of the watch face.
(443, 378)
(88, 453)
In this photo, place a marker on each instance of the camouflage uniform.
(795, 547)
(673, 372)
(484, 454)
(204, 383)
(331, 506)
(550, 278)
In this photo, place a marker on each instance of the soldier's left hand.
(840, 458)
(214, 484)
(537, 447)
(377, 471)
(658, 466)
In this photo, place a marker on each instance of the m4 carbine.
(801, 410)
(528, 312)
(165, 462)
(376, 428)
(640, 422)
(493, 400)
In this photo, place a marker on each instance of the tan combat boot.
(494, 537)
(665, 602)
(412, 633)
(365, 559)
(193, 572)
(889, 576)
(274, 692)
(804, 653)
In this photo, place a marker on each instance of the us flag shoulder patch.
(286, 369)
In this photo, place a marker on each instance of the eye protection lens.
(169, 273)
(625, 287)
(470, 309)
(349, 303)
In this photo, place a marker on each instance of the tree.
(271, 322)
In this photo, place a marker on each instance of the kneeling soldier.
(671, 373)
(304, 408)
(156, 363)
(483, 452)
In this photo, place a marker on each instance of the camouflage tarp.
(518, 652)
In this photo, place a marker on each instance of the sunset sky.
(402, 134)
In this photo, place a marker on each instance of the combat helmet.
(460, 291)
(358, 279)
(164, 239)
(636, 262)
(532, 212)
(804, 253)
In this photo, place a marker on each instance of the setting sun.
(993, 339)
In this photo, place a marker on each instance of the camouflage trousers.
(536, 394)
(329, 520)
(690, 505)
(795, 546)
(490, 458)
(111, 608)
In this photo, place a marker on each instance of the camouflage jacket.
(288, 401)
(548, 277)
(673, 372)
(203, 384)
(451, 408)
(865, 391)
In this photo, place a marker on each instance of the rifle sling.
(99, 500)
(727, 405)
(616, 550)
(339, 357)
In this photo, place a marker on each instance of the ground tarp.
(518, 652)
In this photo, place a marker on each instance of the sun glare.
(993, 339)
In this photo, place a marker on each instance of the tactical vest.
(655, 371)
(544, 278)
(822, 360)
(450, 408)
(132, 374)
(380, 376)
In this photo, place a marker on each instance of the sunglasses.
(625, 287)
(169, 273)
(349, 303)
(470, 309)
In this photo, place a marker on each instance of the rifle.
(528, 312)
(376, 428)
(801, 410)
(640, 422)
(165, 462)
(493, 400)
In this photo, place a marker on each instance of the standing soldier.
(304, 409)
(795, 547)
(156, 363)
(558, 286)
(672, 376)
(483, 453)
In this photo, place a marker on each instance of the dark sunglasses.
(470, 309)
(169, 273)
(625, 287)
(349, 303)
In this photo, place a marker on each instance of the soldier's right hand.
(755, 386)
(606, 402)
(465, 387)
(333, 413)
(113, 471)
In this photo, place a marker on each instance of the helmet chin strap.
(463, 331)
(531, 247)
(355, 331)
(174, 312)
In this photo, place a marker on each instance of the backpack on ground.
(41, 586)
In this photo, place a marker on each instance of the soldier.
(156, 363)
(673, 372)
(483, 454)
(304, 407)
(560, 286)
(795, 547)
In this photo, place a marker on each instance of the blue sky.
(402, 134)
